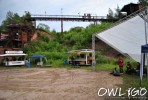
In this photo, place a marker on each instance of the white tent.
(126, 37)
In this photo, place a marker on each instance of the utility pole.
(62, 21)
(146, 27)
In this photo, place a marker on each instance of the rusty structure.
(18, 36)
(131, 8)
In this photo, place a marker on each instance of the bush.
(100, 59)
(54, 55)
(77, 38)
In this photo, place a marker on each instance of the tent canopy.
(37, 56)
(144, 48)
(126, 37)
(40, 57)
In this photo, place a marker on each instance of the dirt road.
(54, 84)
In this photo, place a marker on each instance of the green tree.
(27, 16)
(144, 2)
(44, 27)
(110, 14)
(118, 14)
(14, 18)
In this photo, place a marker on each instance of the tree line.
(14, 18)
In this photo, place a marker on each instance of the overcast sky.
(53, 7)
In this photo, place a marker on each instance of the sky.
(53, 7)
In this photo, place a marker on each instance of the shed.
(40, 57)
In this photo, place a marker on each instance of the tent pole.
(93, 54)
(146, 37)
(145, 31)
(141, 67)
(146, 26)
(41, 62)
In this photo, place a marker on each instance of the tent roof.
(37, 56)
(126, 37)
(144, 48)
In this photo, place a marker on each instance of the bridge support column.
(61, 26)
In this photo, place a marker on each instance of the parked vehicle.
(80, 57)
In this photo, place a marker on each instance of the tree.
(144, 2)
(7, 21)
(77, 29)
(44, 27)
(118, 14)
(26, 17)
(14, 18)
(110, 14)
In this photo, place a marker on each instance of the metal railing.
(68, 16)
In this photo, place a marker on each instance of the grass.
(129, 81)
(133, 81)
(105, 67)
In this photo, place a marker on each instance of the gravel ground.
(54, 84)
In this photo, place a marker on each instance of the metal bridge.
(78, 18)
(83, 18)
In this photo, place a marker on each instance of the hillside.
(105, 49)
(55, 45)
